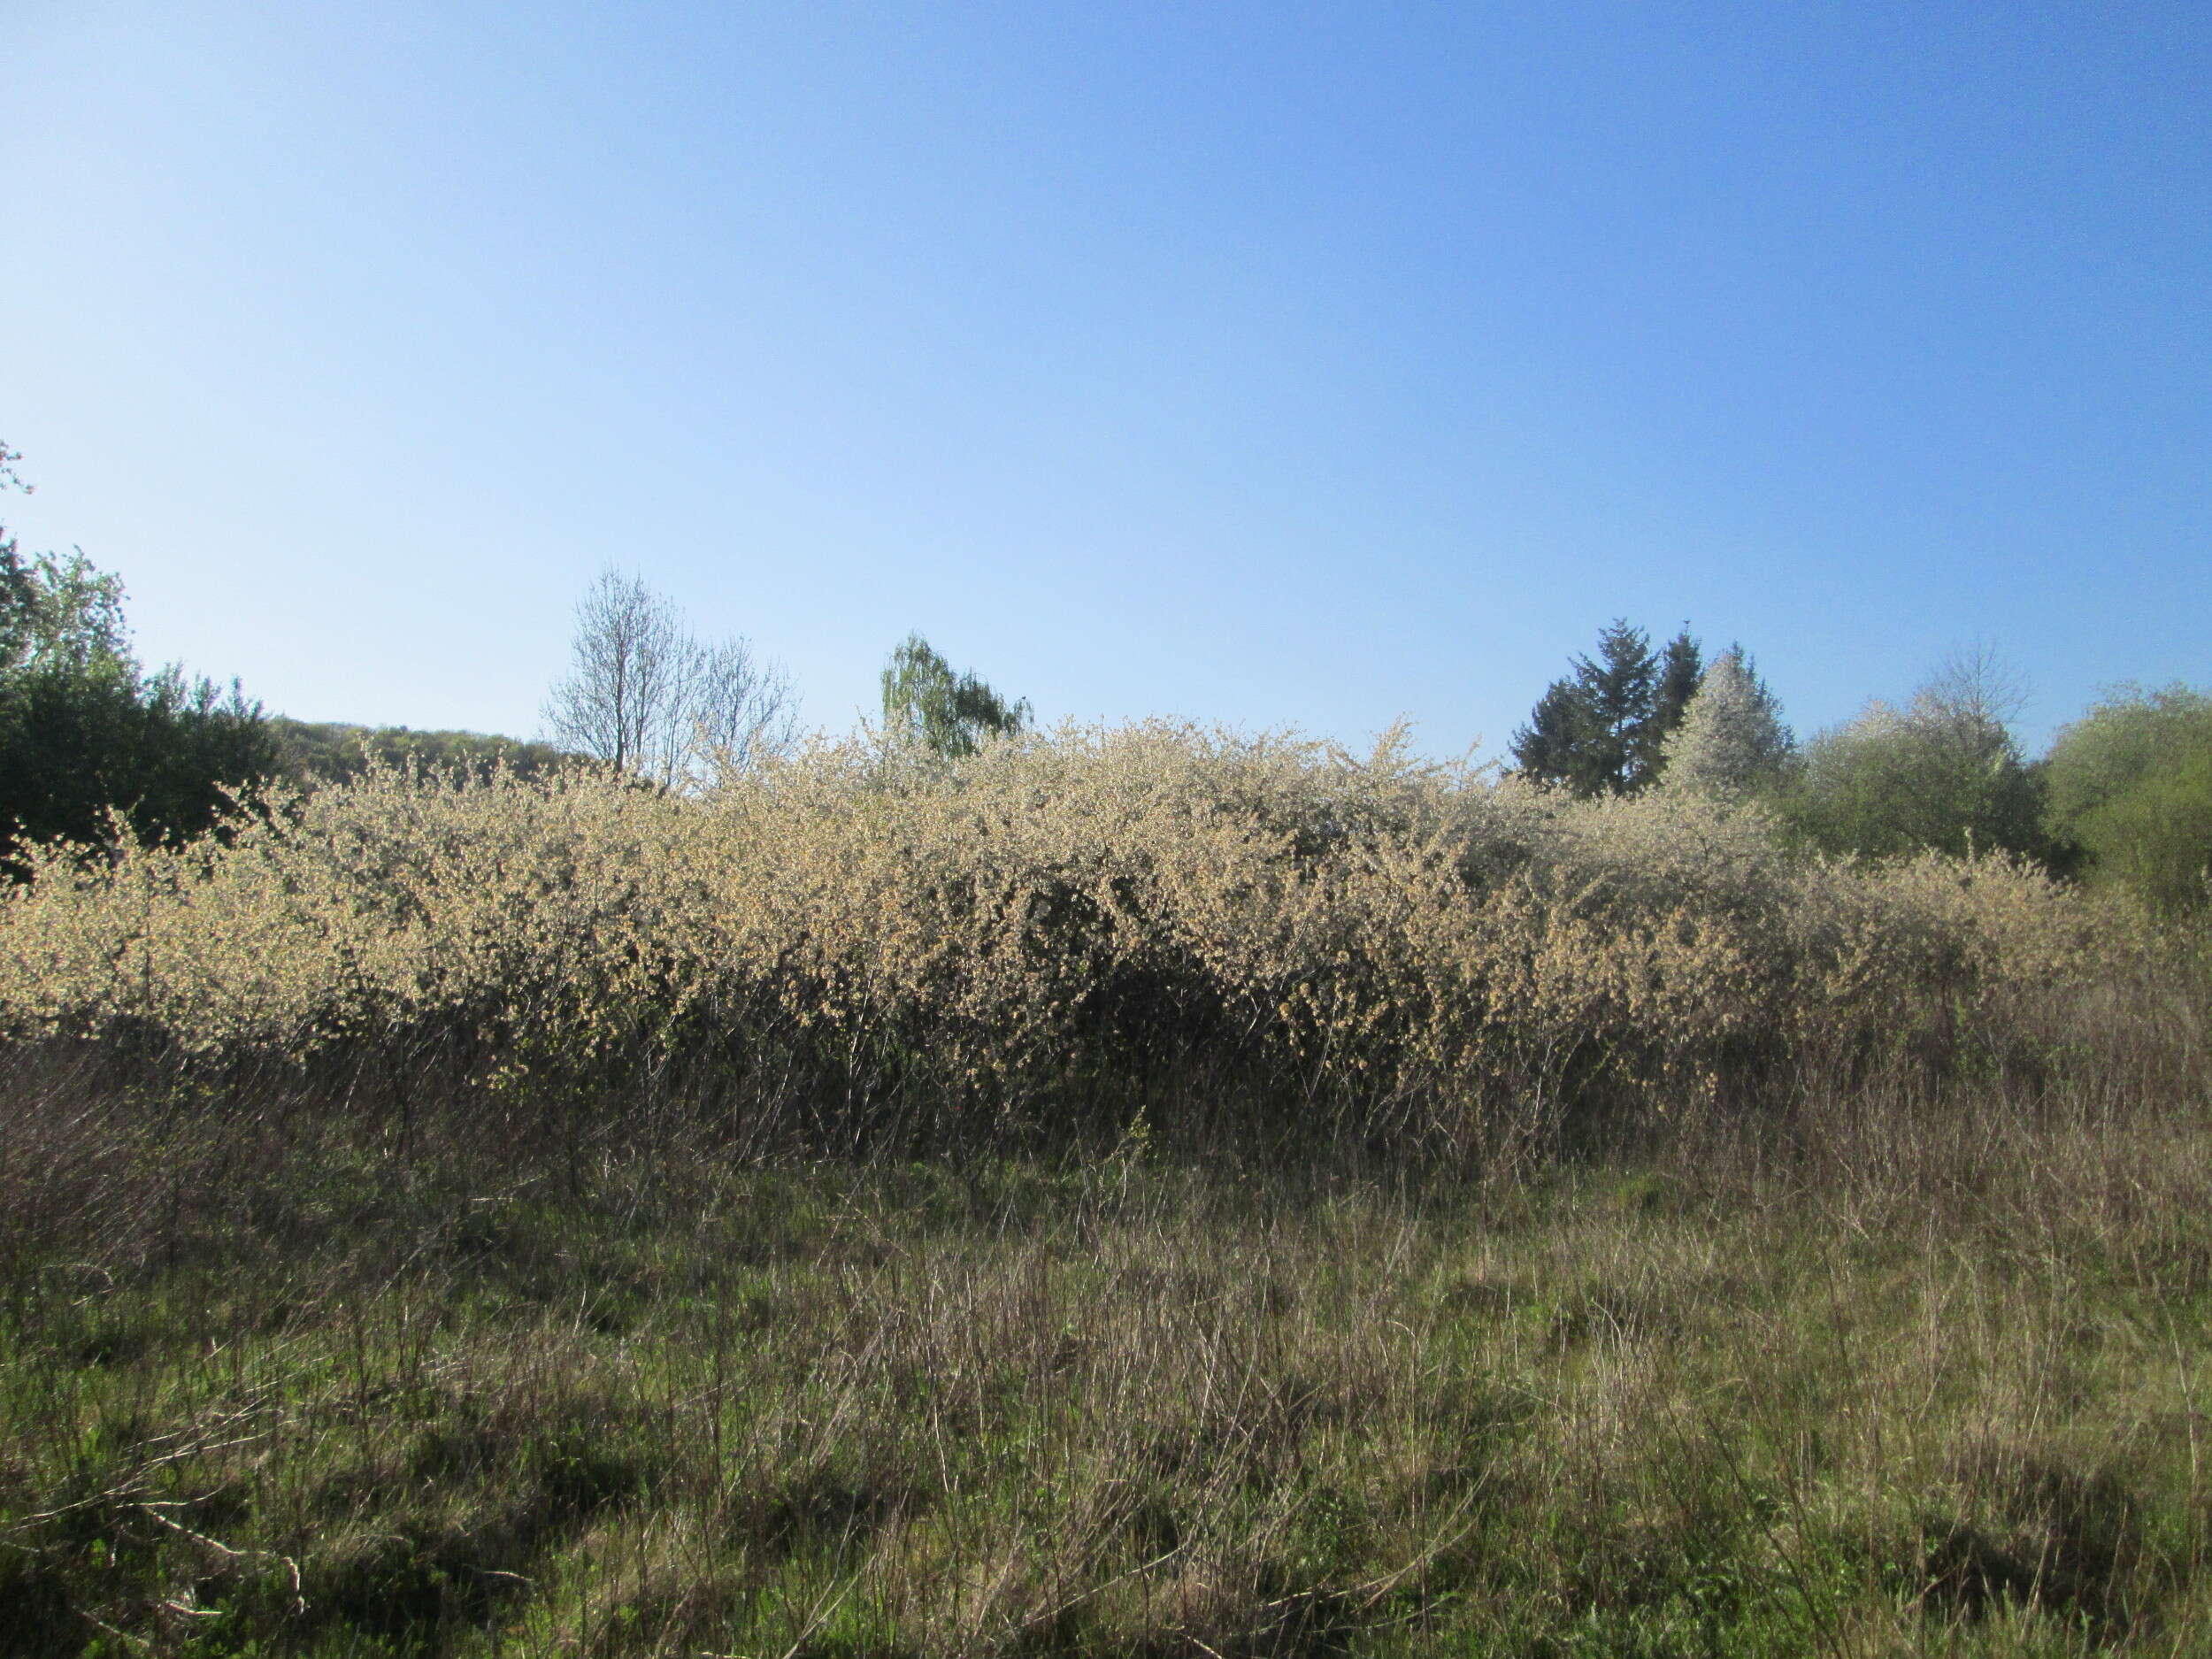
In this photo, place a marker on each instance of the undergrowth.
(1143, 1193)
(1900, 1374)
(1036, 940)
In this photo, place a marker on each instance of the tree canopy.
(1602, 728)
(646, 695)
(85, 731)
(925, 702)
(311, 752)
(2130, 785)
(1730, 744)
(1942, 773)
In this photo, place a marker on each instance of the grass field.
(1886, 1374)
(1135, 1192)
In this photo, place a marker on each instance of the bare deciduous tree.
(645, 694)
(1973, 687)
(742, 709)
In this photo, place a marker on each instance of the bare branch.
(646, 696)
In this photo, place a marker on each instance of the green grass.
(1889, 1381)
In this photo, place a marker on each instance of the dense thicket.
(2131, 786)
(1088, 920)
(85, 732)
(397, 1259)
(314, 752)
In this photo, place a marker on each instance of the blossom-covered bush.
(1092, 916)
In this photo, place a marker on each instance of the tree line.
(2123, 794)
(89, 736)
(92, 741)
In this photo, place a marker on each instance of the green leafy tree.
(84, 731)
(1601, 729)
(1942, 773)
(2130, 785)
(18, 594)
(61, 613)
(925, 702)
(164, 750)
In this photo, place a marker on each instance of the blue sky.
(1270, 363)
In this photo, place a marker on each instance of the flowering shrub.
(1066, 919)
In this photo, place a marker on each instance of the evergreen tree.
(1595, 731)
(1681, 672)
(1623, 684)
(1546, 748)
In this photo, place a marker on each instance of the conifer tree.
(1594, 731)
(1681, 671)
(1547, 747)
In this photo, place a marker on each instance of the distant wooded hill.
(324, 751)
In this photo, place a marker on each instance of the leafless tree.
(1973, 687)
(644, 694)
(742, 709)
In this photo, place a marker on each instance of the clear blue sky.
(1267, 363)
